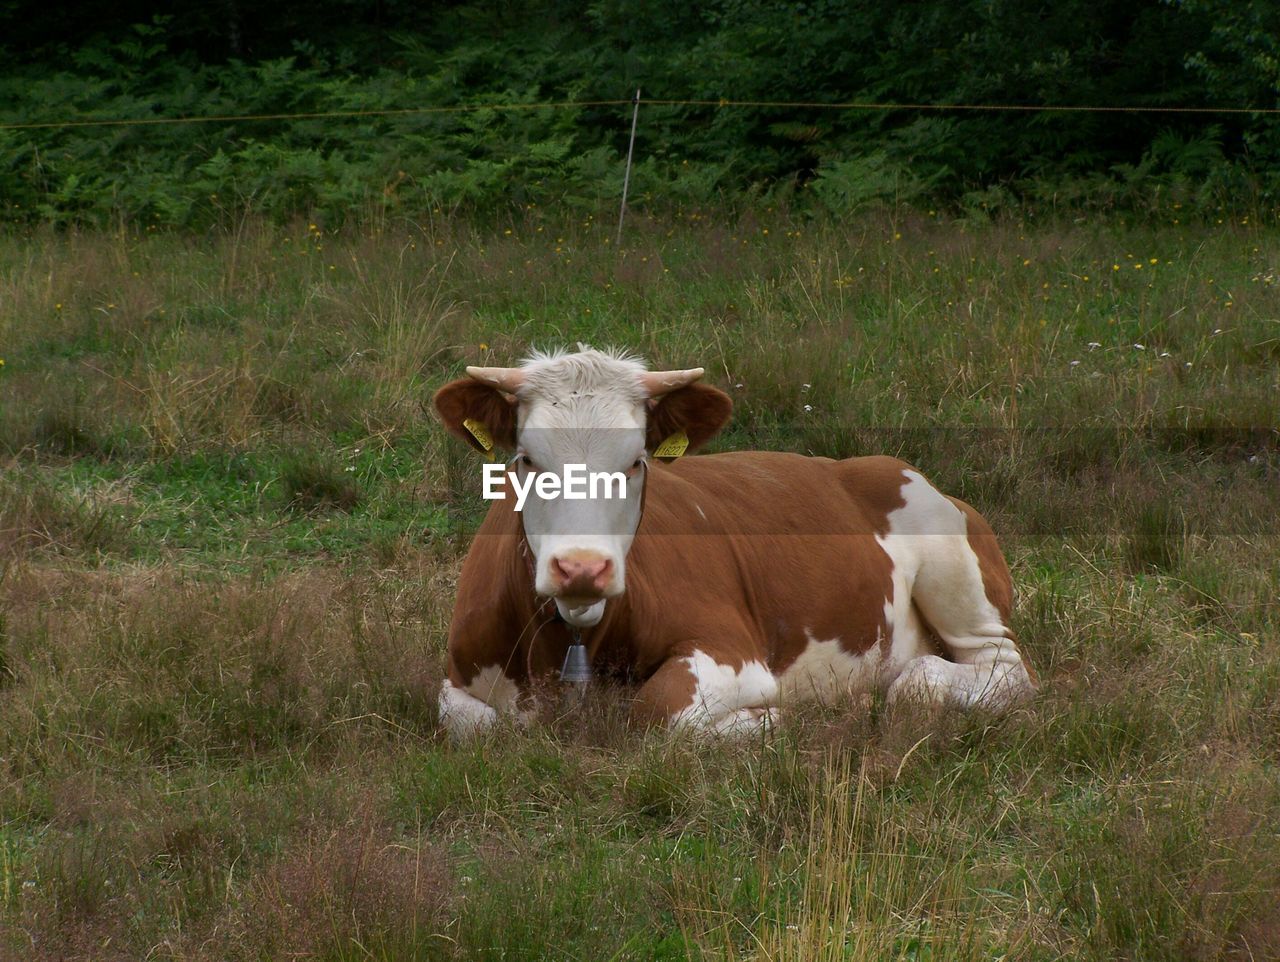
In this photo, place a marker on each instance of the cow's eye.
(526, 461)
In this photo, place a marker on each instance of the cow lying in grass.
(722, 585)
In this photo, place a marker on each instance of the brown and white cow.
(723, 585)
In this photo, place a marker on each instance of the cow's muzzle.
(581, 577)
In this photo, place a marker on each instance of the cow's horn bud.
(658, 383)
(507, 379)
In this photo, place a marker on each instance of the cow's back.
(785, 543)
(770, 493)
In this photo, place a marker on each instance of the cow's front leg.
(470, 705)
(710, 691)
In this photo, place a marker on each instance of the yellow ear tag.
(674, 446)
(481, 434)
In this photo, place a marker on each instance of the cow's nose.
(581, 573)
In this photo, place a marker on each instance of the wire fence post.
(626, 178)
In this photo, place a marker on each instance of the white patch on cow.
(468, 710)
(461, 714)
(745, 721)
(726, 700)
(554, 375)
(701, 513)
(995, 685)
(826, 671)
(929, 545)
(909, 637)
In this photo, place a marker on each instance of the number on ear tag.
(674, 446)
(481, 434)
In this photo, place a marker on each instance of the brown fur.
(698, 409)
(995, 571)
(780, 550)
(465, 398)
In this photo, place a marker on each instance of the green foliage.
(1159, 539)
(846, 186)
(314, 482)
(343, 58)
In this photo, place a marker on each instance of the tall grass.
(866, 888)
(230, 534)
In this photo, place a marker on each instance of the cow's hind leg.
(963, 590)
(706, 692)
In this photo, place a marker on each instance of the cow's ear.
(477, 413)
(700, 411)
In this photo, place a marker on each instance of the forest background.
(464, 70)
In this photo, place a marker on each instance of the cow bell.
(576, 670)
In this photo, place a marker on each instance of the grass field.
(230, 533)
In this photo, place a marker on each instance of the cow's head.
(597, 409)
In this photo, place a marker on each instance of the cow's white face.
(580, 546)
(598, 411)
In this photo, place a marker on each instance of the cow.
(722, 585)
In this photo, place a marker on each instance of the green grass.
(230, 534)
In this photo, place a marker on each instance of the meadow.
(230, 532)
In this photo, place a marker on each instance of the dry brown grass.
(218, 728)
(192, 668)
(360, 886)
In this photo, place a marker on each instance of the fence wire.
(578, 104)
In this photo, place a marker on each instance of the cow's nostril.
(561, 573)
(600, 576)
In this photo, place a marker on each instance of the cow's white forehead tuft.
(558, 375)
